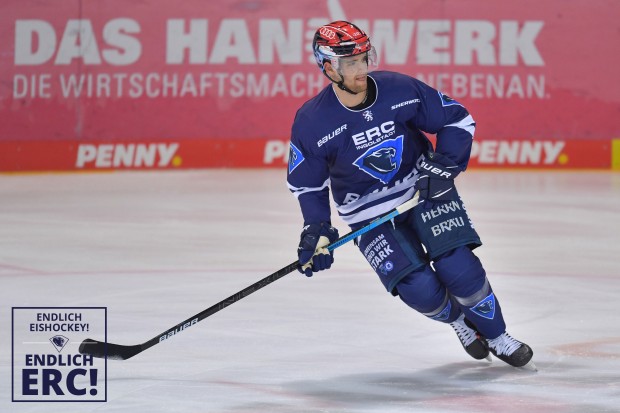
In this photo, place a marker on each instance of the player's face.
(354, 70)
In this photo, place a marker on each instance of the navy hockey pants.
(455, 283)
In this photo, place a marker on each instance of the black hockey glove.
(436, 180)
(312, 256)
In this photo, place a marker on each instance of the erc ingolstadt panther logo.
(383, 160)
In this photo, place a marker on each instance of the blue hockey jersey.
(368, 157)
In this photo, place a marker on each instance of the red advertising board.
(124, 81)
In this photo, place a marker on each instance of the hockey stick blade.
(111, 351)
(108, 350)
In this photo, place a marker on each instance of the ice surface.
(158, 247)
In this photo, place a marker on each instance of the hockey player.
(362, 137)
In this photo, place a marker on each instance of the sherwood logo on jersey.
(128, 155)
(405, 103)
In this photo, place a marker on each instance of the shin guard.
(422, 291)
(464, 277)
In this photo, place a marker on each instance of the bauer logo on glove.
(436, 180)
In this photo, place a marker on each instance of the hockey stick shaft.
(122, 352)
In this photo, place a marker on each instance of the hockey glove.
(312, 256)
(436, 180)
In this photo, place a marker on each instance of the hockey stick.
(103, 349)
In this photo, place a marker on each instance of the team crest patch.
(447, 100)
(382, 161)
(486, 307)
(295, 158)
(445, 313)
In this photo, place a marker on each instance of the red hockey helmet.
(341, 39)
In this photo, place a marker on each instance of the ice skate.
(472, 343)
(512, 351)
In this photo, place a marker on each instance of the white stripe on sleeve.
(467, 123)
(297, 191)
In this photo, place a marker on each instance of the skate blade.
(530, 366)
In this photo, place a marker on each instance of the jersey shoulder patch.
(295, 158)
(447, 100)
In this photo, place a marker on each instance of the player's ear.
(331, 72)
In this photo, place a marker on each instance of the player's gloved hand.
(436, 180)
(312, 256)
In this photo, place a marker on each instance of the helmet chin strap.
(340, 84)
